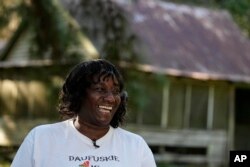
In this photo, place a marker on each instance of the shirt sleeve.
(147, 156)
(24, 155)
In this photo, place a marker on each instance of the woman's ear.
(124, 97)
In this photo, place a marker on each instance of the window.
(221, 107)
(186, 104)
(145, 100)
(176, 105)
(198, 105)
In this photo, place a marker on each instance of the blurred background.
(186, 65)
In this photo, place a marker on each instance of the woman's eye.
(99, 89)
(104, 91)
(116, 92)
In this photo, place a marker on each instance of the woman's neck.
(91, 131)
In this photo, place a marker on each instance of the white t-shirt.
(61, 145)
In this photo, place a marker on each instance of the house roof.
(189, 41)
(182, 40)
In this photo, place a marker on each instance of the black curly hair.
(79, 79)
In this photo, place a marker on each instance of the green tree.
(9, 15)
(54, 29)
(240, 9)
(54, 33)
(50, 24)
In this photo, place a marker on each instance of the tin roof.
(182, 40)
(189, 41)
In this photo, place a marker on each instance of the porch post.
(231, 119)
(187, 107)
(165, 104)
(210, 108)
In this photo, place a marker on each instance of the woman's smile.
(101, 102)
(105, 109)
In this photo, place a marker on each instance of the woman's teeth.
(105, 108)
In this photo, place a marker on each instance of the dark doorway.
(242, 119)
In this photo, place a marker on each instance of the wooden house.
(203, 106)
(201, 109)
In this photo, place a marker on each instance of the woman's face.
(101, 102)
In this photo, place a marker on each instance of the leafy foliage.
(240, 10)
(9, 10)
(54, 33)
(108, 29)
(52, 30)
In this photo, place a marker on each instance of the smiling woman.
(91, 85)
(93, 103)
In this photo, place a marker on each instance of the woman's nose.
(109, 97)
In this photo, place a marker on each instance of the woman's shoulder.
(51, 128)
(128, 134)
(129, 138)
